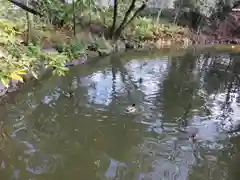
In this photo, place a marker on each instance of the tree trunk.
(125, 22)
(74, 18)
(130, 9)
(115, 8)
(160, 12)
(29, 25)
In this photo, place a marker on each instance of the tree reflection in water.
(88, 136)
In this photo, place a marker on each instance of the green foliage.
(148, 29)
(103, 46)
(55, 60)
(8, 31)
(143, 28)
(55, 11)
(73, 49)
(17, 59)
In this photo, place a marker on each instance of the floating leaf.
(17, 77)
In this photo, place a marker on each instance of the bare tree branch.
(24, 7)
(125, 22)
(130, 9)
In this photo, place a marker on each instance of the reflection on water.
(75, 127)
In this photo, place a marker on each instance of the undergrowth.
(17, 59)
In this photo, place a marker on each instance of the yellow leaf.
(5, 81)
(19, 71)
(17, 77)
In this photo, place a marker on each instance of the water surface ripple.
(75, 127)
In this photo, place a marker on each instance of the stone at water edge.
(49, 50)
(81, 60)
(159, 43)
(119, 46)
(129, 45)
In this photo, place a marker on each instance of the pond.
(76, 126)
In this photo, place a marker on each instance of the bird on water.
(131, 109)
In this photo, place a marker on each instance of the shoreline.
(15, 86)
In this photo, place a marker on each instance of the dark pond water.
(75, 127)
